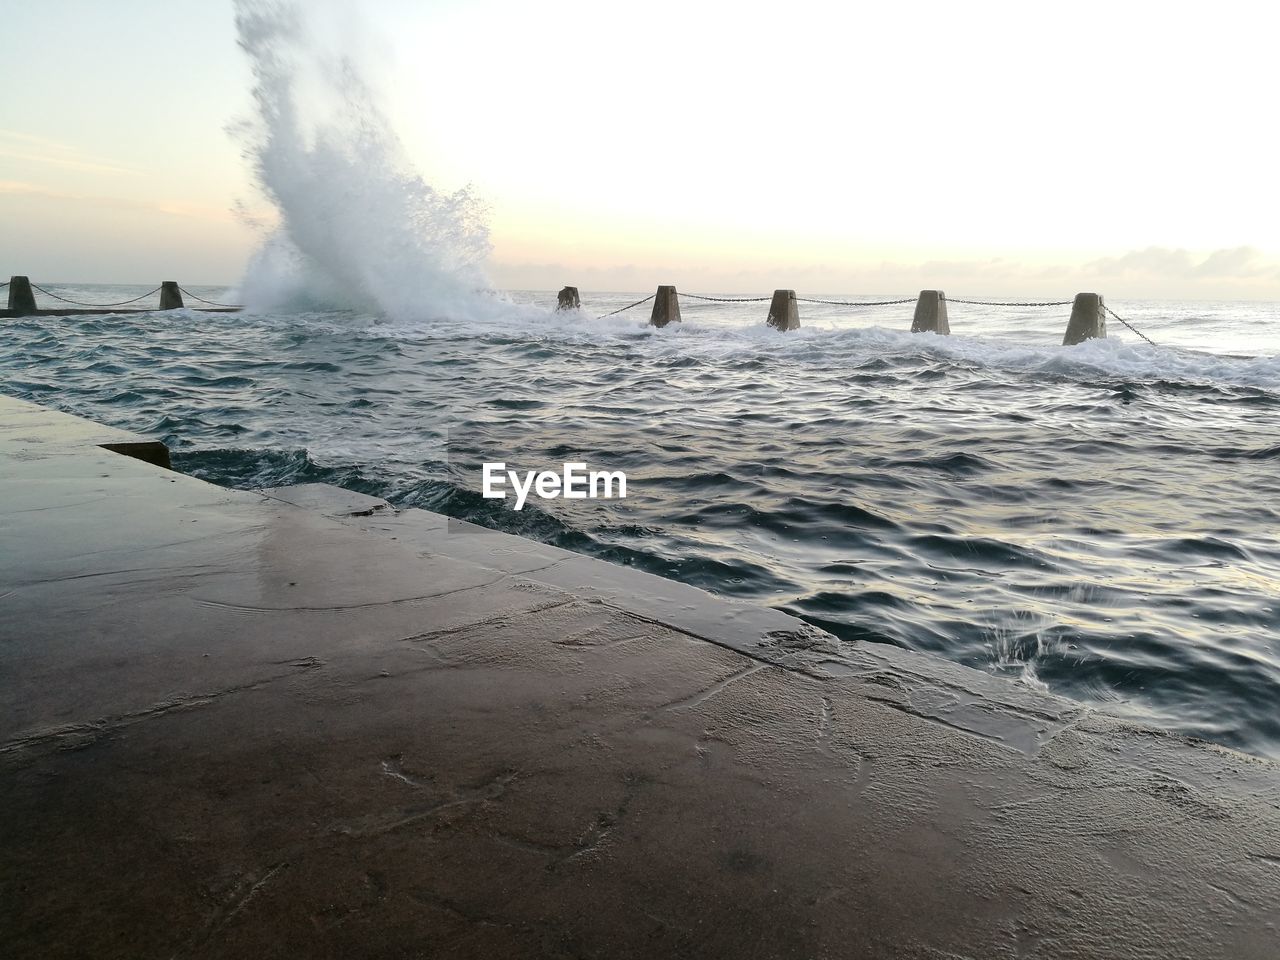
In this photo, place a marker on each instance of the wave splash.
(358, 228)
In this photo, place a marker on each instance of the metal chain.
(79, 303)
(212, 303)
(628, 306)
(1129, 325)
(693, 296)
(998, 303)
(857, 303)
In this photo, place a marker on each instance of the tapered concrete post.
(22, 299)
(567, 299)
(784, 313)
(931, 313)
(666, 307)
(1088, 320)
(170, 295)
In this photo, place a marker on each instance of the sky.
(986, 148)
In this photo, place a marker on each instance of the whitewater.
(1100, 520)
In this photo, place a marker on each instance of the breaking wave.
(358, 227)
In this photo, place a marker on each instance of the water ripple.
(1098, 521)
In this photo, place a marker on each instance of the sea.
(1100, 521)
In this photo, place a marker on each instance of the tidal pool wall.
(300, 723)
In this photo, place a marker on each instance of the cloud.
(1159, 272)
(28, 147)
(1234, 262)
(30, 138)
(1229, 263)
(18, 188)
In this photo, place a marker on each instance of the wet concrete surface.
(301, 724)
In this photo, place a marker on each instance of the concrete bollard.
(1088, 320)
(666, 307)
(22, 299)
(784, 312)
(567, 299)
(170, 295)
(931, 313)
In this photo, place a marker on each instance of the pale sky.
(988, 148)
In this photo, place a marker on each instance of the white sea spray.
(358, 228)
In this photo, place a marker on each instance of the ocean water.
(1102, 521)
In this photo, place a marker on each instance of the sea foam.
(358, 227)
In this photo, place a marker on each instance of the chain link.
(692, 296)
(999, 303)
(857, 303)
(79, 303)
(1129, 325)
(628, 306)
(212, 303)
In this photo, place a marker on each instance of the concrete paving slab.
(235, 726)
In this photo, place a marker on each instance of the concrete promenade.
(300, 724)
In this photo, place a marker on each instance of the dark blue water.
(1102, 520)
